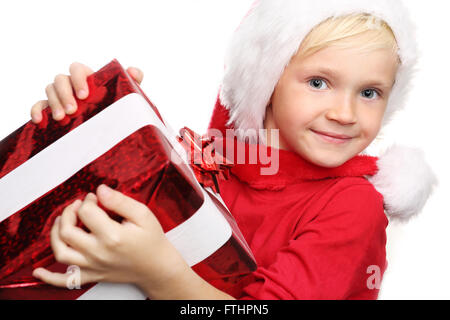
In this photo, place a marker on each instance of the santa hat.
(263, 45)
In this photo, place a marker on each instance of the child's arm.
(60, 93)
(134, 251)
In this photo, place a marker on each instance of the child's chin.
(330, 159)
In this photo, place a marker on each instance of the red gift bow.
(208, 165)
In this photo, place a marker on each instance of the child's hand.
(61, 93)
(134, 251)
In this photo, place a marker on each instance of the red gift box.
(116, 137)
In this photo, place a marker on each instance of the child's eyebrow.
(332, 74)
(329, 72)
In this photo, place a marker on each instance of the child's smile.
(329, 106)
(331, 137)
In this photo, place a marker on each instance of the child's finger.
(74, 236)
(63, 87)
(54, 278)
(54, 103)
(91, 196)
(68, 279)
(95, 219)
(125, 206)
(62, 252)
(136, 73)
(78, 74)
(36, 110)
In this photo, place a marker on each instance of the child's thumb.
(136, 73)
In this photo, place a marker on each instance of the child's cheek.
(306, 111)
(295, 107)
(369, 120)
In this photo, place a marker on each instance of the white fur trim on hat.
(405, 180)
(270, 35)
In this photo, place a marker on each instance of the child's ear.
(268, 109)
(269, 104)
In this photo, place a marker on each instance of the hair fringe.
(362, 30)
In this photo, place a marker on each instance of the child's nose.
(343, 110)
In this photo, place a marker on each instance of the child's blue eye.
(316, 83)
(369, 93)
(319, 83)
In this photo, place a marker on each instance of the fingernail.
(59, 113)
(76, 204)
(136, 72)
(91, 195)
(36, 118)
(82, 94)
(70, 108)
(104, 190)
(36, 273)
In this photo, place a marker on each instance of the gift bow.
(207, 164)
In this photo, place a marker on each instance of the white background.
(180, 46)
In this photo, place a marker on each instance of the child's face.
(350, 102)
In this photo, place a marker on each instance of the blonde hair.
(362, 31)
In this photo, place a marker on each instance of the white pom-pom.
(405, 180)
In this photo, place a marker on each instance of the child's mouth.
(330, 139)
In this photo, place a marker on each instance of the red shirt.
(316, 233)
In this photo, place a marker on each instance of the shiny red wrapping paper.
(139, 166)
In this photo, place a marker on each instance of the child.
(324, 79)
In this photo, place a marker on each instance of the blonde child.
(324, 77)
